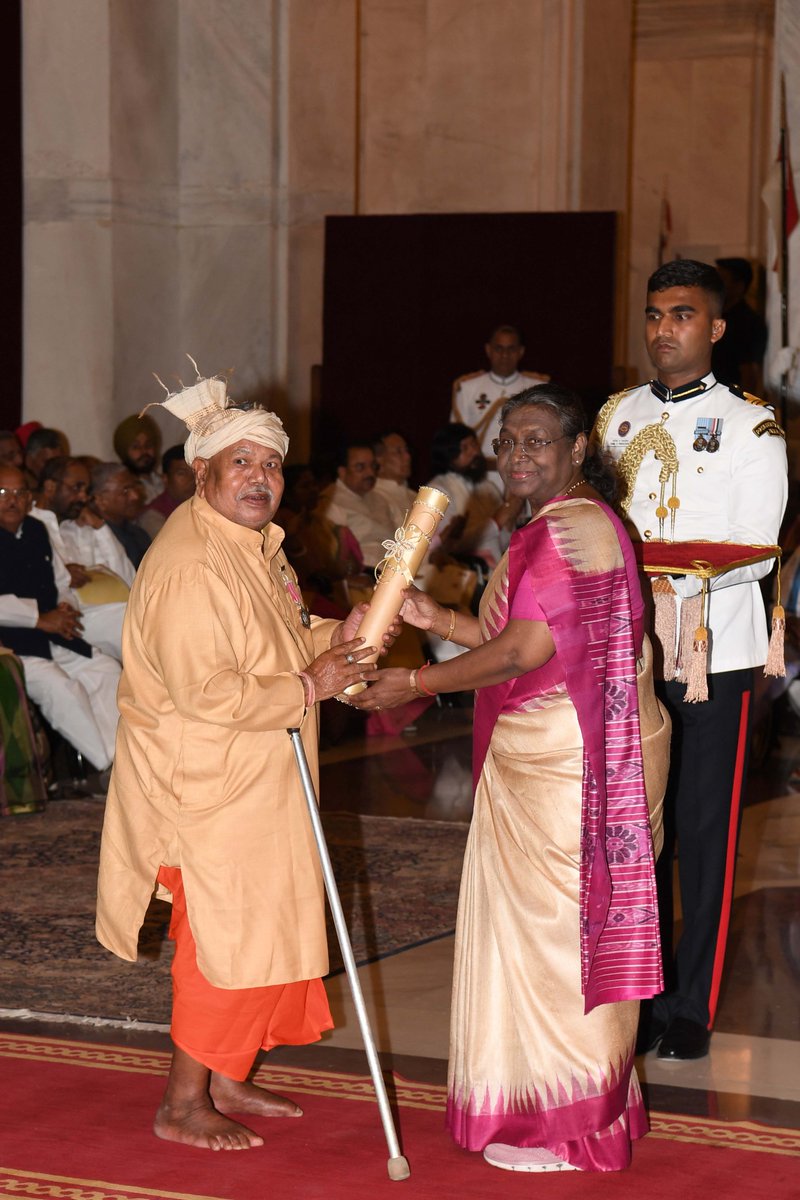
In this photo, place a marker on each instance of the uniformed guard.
(479, 396)
(698, 461)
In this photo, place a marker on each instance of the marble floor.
(753, 1069)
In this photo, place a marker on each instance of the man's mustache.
(256, 490)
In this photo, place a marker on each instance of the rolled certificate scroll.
(404, 555)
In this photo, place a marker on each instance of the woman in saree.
(557, 934)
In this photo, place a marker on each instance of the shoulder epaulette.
(470, 375)
(536, 375)
(739, 391)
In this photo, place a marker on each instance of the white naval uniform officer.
(699, 461)
(478, 397)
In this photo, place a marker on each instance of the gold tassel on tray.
(404, 555)
(776, 662)
(696, 669)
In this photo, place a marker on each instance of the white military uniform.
(702, 462)
(478, 399)
(734, 493)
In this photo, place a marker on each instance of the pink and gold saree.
(557, 936)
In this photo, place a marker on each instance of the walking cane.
(397, 1165)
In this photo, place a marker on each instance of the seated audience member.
(394, 467)
(116, 501)
(89, 540)
(73, 685)
(351, 501)
(22, 787)
(41, 446)
(478, 522)
(137, 444)
(62, 498)
(178, 486)
(11, 454)
(322, 554)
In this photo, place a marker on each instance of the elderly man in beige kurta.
(220, 659)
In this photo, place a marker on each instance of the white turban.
(213, 425)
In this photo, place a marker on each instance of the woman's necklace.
(572, 487)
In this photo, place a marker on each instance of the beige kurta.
(204, 776)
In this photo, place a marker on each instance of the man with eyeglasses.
(116, 500)
(73, 685)
(698, 461)
(63, 496)
(478, 397)
(351, 501)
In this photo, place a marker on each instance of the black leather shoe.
(684, 1039)
(651, 1031)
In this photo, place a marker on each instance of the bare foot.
(231, 1095)
(202, 1126)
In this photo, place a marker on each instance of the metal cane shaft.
(345, 945)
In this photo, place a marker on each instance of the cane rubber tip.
(399, 1168)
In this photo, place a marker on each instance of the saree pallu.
(531, 1062)
(21, 784)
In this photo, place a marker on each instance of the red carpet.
(75, 1124)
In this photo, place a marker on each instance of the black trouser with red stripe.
(702, 813)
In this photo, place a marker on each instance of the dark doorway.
(409, 302)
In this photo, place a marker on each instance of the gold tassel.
(665, 621)
(696, 672)
(691, 618)
(775, 664)
(697, 666)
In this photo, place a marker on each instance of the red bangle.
(419, 684)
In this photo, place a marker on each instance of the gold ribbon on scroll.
(396, 570)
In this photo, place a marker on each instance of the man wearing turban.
(137, 444)
(220, 659)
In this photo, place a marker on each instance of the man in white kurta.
(220, 659)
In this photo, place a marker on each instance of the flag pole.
(784, 254)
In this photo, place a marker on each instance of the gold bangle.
(412, 681)
(446, 636)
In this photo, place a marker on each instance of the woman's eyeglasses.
(532, 445)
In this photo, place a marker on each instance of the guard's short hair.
(739, 268)
(514, 329)
(687, 272)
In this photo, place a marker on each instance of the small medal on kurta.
(295, 595)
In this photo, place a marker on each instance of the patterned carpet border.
(704, 1131)
(50, 961)
(66, 1187)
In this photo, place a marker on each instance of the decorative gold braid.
(603, 419)
(655, 438)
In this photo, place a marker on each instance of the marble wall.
(180, 157)
(702, 103)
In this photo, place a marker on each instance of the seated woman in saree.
(557, 936)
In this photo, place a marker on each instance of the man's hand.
(352, 622)
(64, 620)
(78, 575)
(340, 667)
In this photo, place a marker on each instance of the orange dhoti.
(224, 1028)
